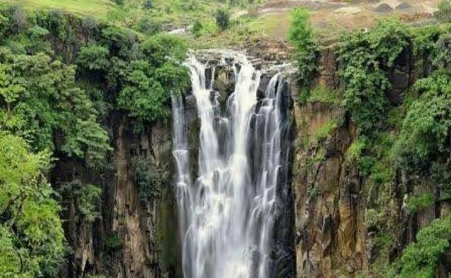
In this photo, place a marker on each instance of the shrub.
(323, 95)
(426, 127)
(366, 58)
(148, 26)
(197, 28)
(443, 58)
(20, 20)
(31, 233)
(443, 14)
(355, 151)
(324, 131)
(148, 179)
(302, 38)
(112, 242)
(86, 197)
(42, 94)
(89, 196)
(222, 19)
(148, 4)
(94, 57)
(418, 203)
(301, 30)
(420, 259)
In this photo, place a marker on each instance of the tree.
(150, 81)
(366, 59)
(31, 234)
(42, 100)
(301, 36)
(222, 19)
(427, 125)
(420, 259)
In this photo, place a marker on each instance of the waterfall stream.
(227, 211)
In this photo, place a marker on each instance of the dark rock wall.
(146, 232)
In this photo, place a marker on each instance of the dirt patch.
(280, 6)
(416, 17)
(404, 6)
(332, 17)
(348, 10)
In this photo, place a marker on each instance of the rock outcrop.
(335, 236)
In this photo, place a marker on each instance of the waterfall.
(227, 212)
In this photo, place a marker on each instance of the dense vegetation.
(63, 79)
(301, 36)
(407, 135)
(411, 137)
(57, 93)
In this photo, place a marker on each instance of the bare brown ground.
(331, 17)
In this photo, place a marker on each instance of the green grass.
(324, 95)
(97, 8)
(324, 131)
(274, 25)
(169, 14)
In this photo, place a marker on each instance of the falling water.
(227, 212)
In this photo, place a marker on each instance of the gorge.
(126, 151)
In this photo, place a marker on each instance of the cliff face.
(324, 203)
(335, 236)
(133, 237)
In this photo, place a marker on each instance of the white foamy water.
(227, 211)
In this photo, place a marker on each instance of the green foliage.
(420, 258)
(42, 99)
(148, 26)
(143, 94)
(112, 242)
(441, 177)
(301, 36)
(197, 28)
(443, 14)
(85, 196)
(148, 4)
(31, 235)
(222, 19)
(301, 30)
(94, 57)
(443, 58)
(324, 131)
(148, 178)
(304, 96)
(149, 83)
(164, 48)
(424, 41)
(418, 203)
(89, 196)
(366, 58)
(426, 127)
(355, 151)
(323, 95)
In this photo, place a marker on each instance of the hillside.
(261, 19)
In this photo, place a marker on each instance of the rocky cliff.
(328, 229)
(335, 203)
(134, 236)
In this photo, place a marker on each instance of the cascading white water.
(227, 213)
